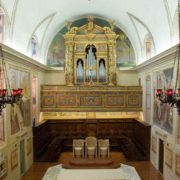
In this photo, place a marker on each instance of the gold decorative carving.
(78, 38)
(91, 98)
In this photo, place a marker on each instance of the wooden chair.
(78, 148)
(103, 148)
(91, 147)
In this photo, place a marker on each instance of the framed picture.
(168, 157)
(154, 144)
(14, 158)
(29, 146)
(177, 168)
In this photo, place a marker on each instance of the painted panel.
(14, 158)
(168, 157)
(49, 100)
(112, 100)
(15, 119)
(154, 144)
(91, 100)
(66, 99)
(134, 100)
(163, 113)
(177, 166)
(86, 98)
(20, 112)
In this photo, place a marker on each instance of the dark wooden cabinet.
(54, 136)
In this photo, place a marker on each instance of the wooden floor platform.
(91, 163)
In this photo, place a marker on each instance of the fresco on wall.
(125, 52)
(163, 113)
(125, 56)
(15, 119)
(20, 112)
(56, 53)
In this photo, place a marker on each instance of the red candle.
(19, 91)
(4, 91)
(169, 92)
(15, 91)
(159, 92)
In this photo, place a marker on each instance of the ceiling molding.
(13, 18)
(132, 17)
(165, 58)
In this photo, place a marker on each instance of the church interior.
(89, 89)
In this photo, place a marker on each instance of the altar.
(124, 172)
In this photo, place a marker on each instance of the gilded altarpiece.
(90, 68)
(90, 55)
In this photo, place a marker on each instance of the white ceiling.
(135, 17)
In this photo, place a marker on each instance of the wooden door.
(161, 155)
(22, 157)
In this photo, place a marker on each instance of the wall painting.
(125, 56)
(177, 165)
(168, 157)
(154, 144)
(163, 113)
(20, 112)
(14, 158)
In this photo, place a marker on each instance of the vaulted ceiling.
(45, 18)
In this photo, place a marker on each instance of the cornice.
(166, 57)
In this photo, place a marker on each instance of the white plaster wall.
(160, 62)
(57, 78)
(19, 61)
(127, 78)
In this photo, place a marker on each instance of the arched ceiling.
(45, 18)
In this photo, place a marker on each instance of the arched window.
(1, 25)
(34, 43)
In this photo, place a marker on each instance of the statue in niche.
(90, 24)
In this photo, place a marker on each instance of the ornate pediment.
(90, 55)
(90, 28)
